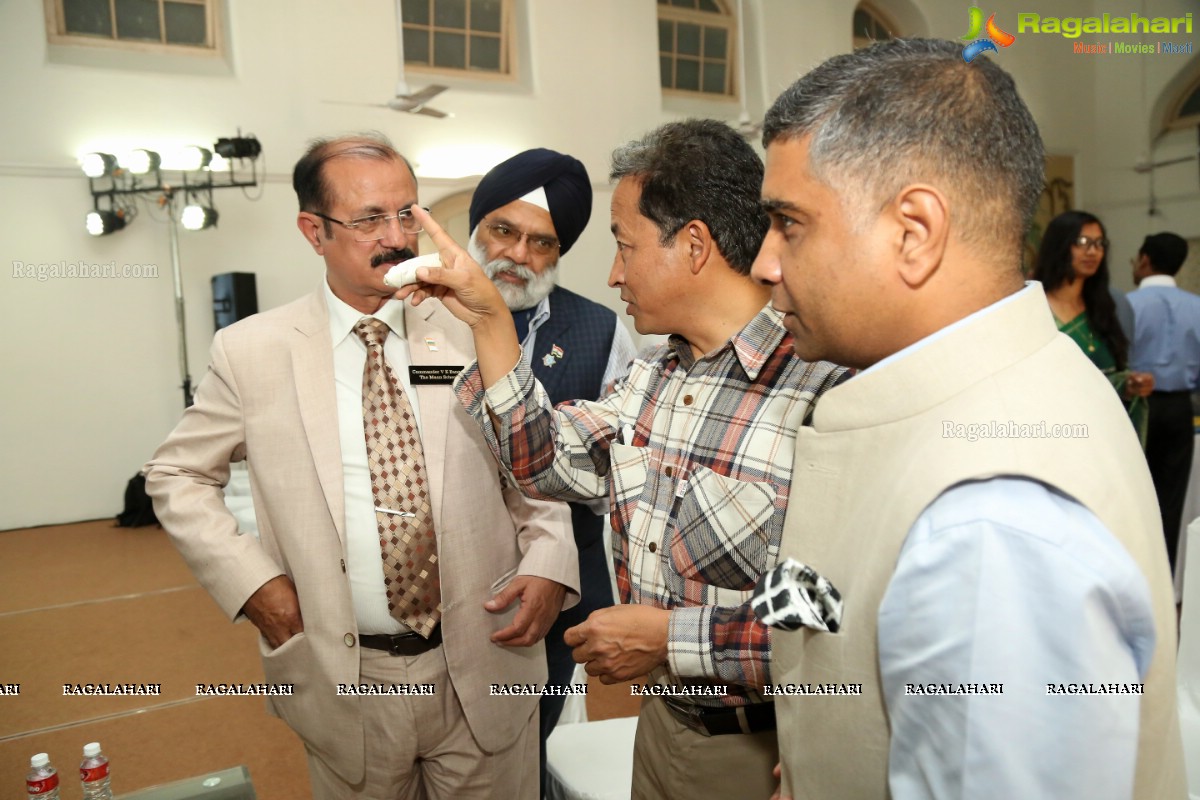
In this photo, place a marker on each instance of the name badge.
(433, 375)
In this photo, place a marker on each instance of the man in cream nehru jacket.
(974, 546)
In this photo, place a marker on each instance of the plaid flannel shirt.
(695, 456)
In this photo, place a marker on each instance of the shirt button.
(687, 399)
(343, 563)
(669, 471)
(349, 639)
(652, 546)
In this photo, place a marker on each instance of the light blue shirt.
(1166, 339)
(1006, 581)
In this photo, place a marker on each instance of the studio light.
(101, 223)
(197, 218)
(238, 147)
(139, 162)
(194, 158)
(97, 165)
(162, 180)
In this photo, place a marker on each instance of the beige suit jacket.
(269, 397)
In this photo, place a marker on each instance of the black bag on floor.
(139, 510)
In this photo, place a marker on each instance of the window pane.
(485, 15)
(450, 50)
(709, 5)
(415, 11)
(862, 24)
(714, 78)
(138, 19)
(485, 53)
(87, 16)
(665, 72)
(416, 45)
(684, 3)
(450, 14)
(715, 41)
(185, 23)
(687, 39)
(687, 74)
(666, 36)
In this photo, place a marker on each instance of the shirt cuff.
(689, 652)
(506, 394)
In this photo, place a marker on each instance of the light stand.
(177, 277)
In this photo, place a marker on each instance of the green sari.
(1098, 351)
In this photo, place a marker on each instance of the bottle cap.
(40, 760)
(91, 749)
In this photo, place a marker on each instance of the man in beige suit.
(285, 390)
(1004, 621)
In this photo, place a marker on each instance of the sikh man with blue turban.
(525, 214)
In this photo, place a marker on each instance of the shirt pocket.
(629, 472)
(723, 536)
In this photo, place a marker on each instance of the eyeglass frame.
(384, 219)
(1087, 243)
(530, 238)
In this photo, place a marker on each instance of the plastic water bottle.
(42, 780)
(93, 773)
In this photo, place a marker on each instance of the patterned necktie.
(401, 489)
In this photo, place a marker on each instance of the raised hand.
(470, 295)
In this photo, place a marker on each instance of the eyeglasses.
(504, 234)
(374, 227)
(1086, 243)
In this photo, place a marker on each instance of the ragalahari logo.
(994, 37)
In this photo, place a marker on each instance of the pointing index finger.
(439, 236)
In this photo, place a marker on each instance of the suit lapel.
(434, 401)
(312, 361)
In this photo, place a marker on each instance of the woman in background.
(1072, 265)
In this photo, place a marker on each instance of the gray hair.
(912, 110)
(308, 177)
(699, 169)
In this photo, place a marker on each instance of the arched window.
(871, 26)
(1186, 112)
(695, 46)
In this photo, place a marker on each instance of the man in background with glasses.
(391, 552)
(525, 214)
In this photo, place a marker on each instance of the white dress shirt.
(364, 566)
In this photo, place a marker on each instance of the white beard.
(516, 297)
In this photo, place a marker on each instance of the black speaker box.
(234, 297)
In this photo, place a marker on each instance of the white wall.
(90, 374)
(1126, 96)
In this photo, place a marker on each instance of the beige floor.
(92, 603)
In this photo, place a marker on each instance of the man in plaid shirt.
(693, 449)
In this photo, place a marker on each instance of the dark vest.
(582, 331)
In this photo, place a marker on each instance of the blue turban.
(564, 179)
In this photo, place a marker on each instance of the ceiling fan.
(406, 99)
(748, 128)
